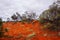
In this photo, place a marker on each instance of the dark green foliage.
(1, 28)
(14, 17)
(0, 22)
(52, 15)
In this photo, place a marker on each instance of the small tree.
(14, 17)
(0, 21)
(1, 28)
(19, 18)
(8, 19)
(24, 17)
(30, 16)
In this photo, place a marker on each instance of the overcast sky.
(9, 7)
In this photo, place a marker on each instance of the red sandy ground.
(24, 29)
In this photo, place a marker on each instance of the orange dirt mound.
(26, 31)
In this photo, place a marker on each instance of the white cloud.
(9, 7)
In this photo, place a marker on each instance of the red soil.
(27, 31)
